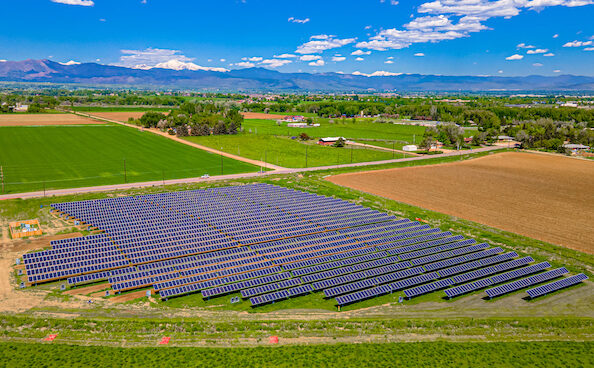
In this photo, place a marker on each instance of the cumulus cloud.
(549, 54)
(338, 58)
(359, 59)
(75, 2)
(589, 49)
(379, 73)
(452, 19)
(285, 56)
(71, 62)
(524, 46)
(310, 57)
(555, 35)
(160, 58)
(556, 71)
(420, 54)
(515, 57)
(537, 64)
(244, 64)
(253, 58)
(321, 43)
(537, 51)
(577, 43)
(275, 63)
(388, 62)
(319, 62)
(295, 20)
(360, 52)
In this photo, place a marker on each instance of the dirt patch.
(87, 290)
(129, 296)
(44, 119)
(546, 197)
(261, 115)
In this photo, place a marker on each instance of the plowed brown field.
(546, 197)
(44, 119)
(261, 115)
(118, 115)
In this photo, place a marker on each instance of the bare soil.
(44, 119)
(546, 197)
(122, 116)
(127, 297)
(261, 115)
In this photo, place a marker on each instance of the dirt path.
(546, 197)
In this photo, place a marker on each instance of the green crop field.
(119, 108)
(75, 156)
(287, 152)
(362, 128)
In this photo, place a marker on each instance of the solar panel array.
(270, 243)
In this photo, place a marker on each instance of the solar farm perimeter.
(53, 157)
(265, 243)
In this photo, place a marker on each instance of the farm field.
(119, 108)
(34, 158)
(286, 152)
(544, 197)
(44, 119)
(363, 128)
(122, 116)
(261, 115)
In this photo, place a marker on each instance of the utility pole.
(125, 178)
(351, 154)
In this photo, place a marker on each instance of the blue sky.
(374, 37)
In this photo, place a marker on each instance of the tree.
(204, 129)
(339, 143)
(182, 130)
(426, 143)
(232, 128)
(151, 119)
(304, 137)
(220, 128)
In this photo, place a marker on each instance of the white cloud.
(500, 71)
(310, 57)
(285, 56)
(359, 59)
(102, 20)
(275, 63)
(537, 64)
(3, 60)
(379, 73)
(537, 51)
(452, 19)
(71, 62)
(244, 64)
(367, 27)
(589, 49)
(420, 54)
(160, 58)
(75, 2)
(181, 65)
(253, 58)
(555, 35)
(390, 57)
(515, 57)
(557, 71)
(222, 60)
(388, 62)
(319, 62)
(524, 46)
(549, 54)
(577, 43)
(360, 52)
(320, 43)
(295, 20)
(338, 58)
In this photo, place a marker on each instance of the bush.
(304, 137)
(339, 143)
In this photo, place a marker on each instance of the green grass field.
(422, 354)
(77, 156)
(118, 108)
(287, 152)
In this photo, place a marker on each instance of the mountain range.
(261, 79)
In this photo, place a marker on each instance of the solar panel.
(556, 285)
(524, 283)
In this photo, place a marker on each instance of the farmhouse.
(293, 119)
(576, 148)
(328, 141)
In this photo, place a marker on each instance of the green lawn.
(417, 354)
(287, 152)
(119, 108)
(76, 156)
